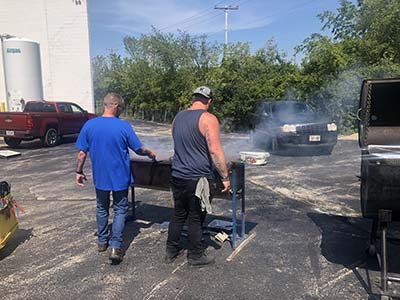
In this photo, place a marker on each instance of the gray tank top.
(192, 158)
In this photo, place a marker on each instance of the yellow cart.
(8, 219)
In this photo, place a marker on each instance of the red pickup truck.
(46, 120)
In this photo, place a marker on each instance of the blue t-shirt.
(107, 140)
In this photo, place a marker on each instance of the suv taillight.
(29, 122)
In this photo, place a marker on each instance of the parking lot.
(310, 237)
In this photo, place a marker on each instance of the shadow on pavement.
(19, 237)
(154, 215)
(37, 144)
(345, 241)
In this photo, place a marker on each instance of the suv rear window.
(39, 107)
(291, 107)
(385, 104)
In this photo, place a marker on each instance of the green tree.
(161, 69)
(364, 44)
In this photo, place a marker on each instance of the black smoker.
(157, 175)
(379, 139)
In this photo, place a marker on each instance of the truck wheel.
(12, 142)
(50, 138)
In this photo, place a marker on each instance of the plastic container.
(254, 158)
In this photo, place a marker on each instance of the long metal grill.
(157, 175)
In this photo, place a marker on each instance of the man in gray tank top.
(197, 152)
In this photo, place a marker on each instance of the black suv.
(293, 125)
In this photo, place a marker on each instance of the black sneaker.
(115, 255)
(170, 258)
(201, 261)
(102, 247)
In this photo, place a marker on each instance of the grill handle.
(358, 114)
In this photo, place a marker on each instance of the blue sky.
(288, 22)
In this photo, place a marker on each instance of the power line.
(202, 17)
(198, 15)
(204, 21)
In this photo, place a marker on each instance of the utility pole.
(226, 8)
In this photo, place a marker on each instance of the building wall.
(61, 28)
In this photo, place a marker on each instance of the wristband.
(79, 172)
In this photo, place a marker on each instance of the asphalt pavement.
(305, 210)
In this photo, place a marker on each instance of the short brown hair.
(114, 98)
(201, 98)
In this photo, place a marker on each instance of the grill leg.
(385, 217)
(372, 238)
(374, 230)
(133, 202)
(384, 281)
(243, 216)
(131, 215)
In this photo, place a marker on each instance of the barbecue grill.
(379, 139)
(157, 175)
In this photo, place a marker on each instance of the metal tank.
(22, 72)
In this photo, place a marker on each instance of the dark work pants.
(187, 206)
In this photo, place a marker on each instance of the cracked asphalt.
(310, 237)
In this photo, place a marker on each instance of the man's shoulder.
(108, 120)
(125, 123)
(182, 112)
(88, 124)
(207, 116)
(94, 123)
(94, 120)
(102, 122)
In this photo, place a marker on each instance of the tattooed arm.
(80, 176)
(209, 127)
(146, 152)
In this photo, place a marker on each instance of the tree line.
(159, 70)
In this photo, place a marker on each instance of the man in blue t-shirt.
(108, 139)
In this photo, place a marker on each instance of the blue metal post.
(243, 208)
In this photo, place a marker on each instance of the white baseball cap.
(204, 91)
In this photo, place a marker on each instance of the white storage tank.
(22, 72)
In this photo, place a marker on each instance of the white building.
(62, 30)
